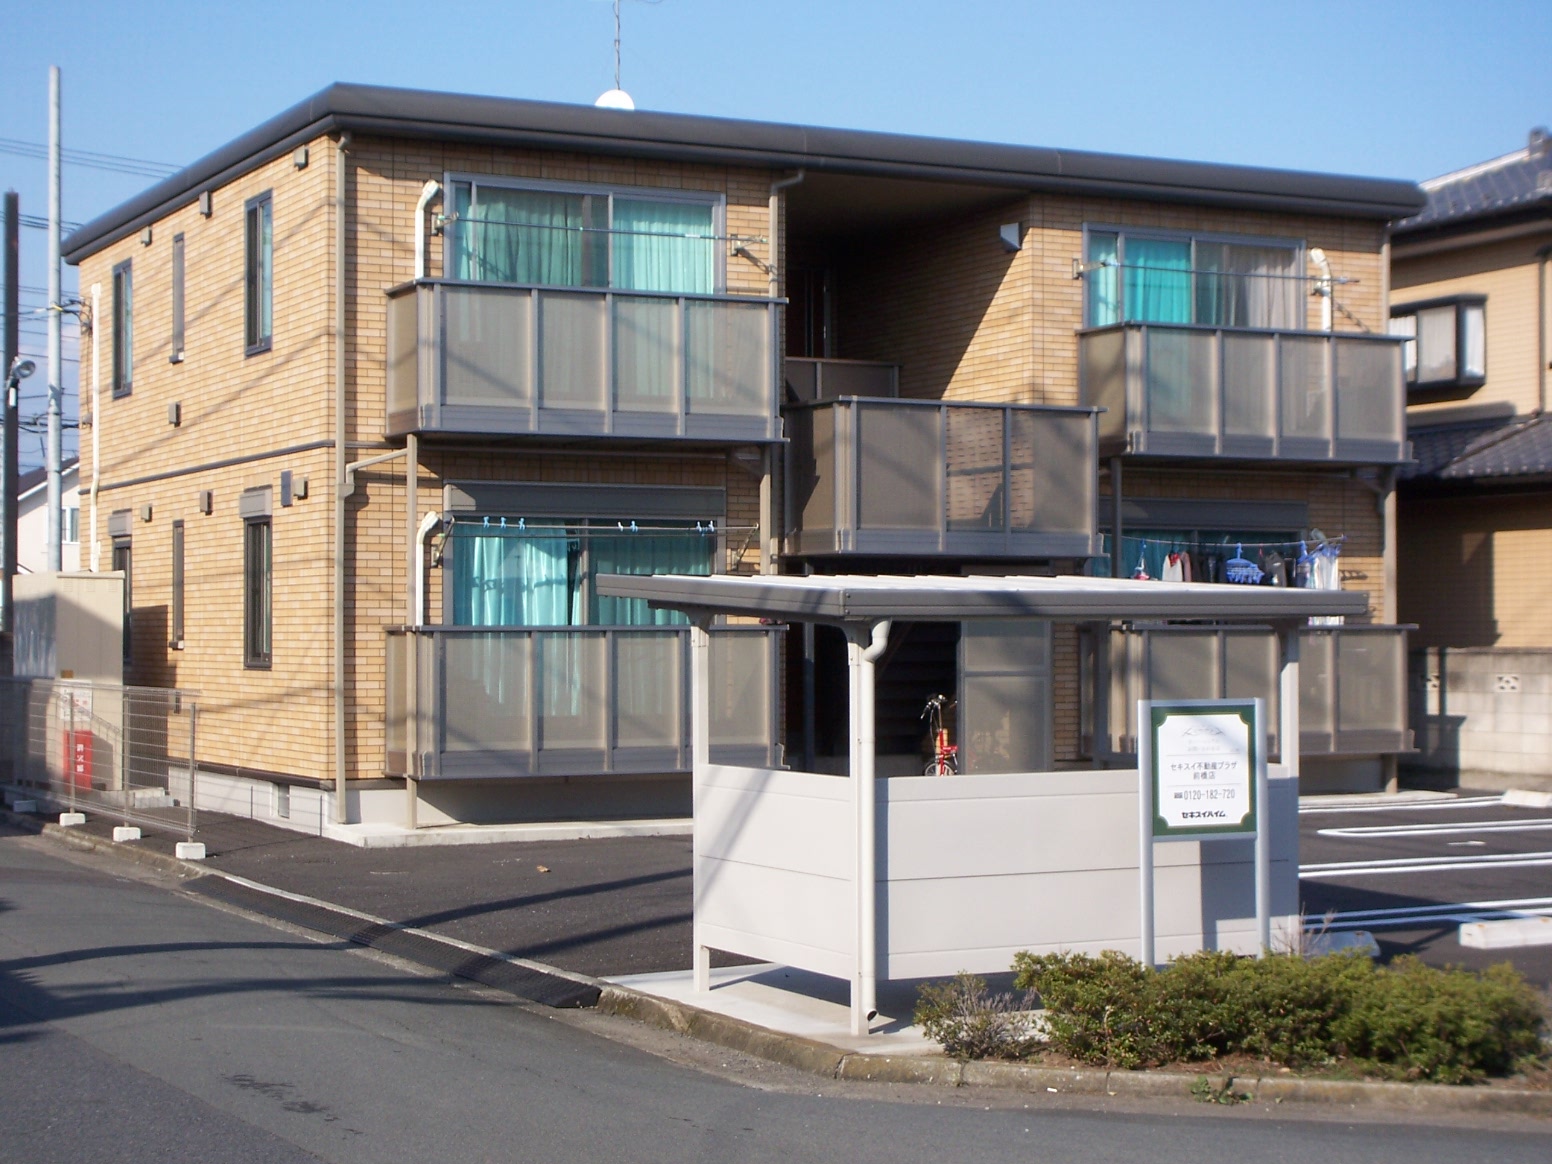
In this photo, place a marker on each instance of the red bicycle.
(945, 756)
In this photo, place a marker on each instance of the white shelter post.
(864, 644)
(700, 758)
(1288, 699)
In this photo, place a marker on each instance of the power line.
(114, 163)
(38, 222)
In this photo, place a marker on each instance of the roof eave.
(491, 120)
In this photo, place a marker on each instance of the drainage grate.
(524, 981)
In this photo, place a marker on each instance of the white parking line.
(1442, 828)
(1419, 806)
(1403, 918)
(1425, 865)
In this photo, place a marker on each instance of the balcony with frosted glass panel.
(1352, 682)
(479, 358)
(504, 702)
(1183, 390)
(924, 477)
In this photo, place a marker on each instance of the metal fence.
(122, 752)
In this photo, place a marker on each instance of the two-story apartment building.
(1470, 292)
(377, 391)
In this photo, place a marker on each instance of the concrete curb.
(829, 1062)
(834, 1063)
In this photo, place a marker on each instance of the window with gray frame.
(1142, 276)
(258, 273)
(176, 613)
(548, 235)
(258, 569)
(1446, 342)
(123, 560)
(176, 355)
(123, 329)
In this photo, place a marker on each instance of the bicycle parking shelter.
(864, 879)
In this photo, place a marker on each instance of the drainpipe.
(1541, 328)
(417, 618)
(770, 542)
(427, 192)
(342, 482)
(96, 417)
(863, 648)
(1323, 286)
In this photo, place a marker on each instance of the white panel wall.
(773, 866)
(972, 869)
(975, 869)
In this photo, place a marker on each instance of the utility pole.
(56, 391)
(8, 414)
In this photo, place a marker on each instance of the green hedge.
(1405, 1021)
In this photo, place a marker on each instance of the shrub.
(973, 1023)
(1408, 1021)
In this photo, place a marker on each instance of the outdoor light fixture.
(21, 368)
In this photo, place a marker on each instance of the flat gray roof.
(375, 110)
(837, 598)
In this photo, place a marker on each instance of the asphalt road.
(1413, 873)
(139, 1024)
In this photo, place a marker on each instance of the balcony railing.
(814, 379)
(1176, 390)
(498, 358)
(905, 477)
(504, 702)
(1352, 682)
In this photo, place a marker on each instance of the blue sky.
(1384, 88)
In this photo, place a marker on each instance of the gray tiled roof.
(1514, 182)
(1514, 446)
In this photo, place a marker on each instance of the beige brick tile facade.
(963, 317)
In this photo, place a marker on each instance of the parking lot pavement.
(1412, 873)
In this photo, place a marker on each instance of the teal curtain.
(527, 236)
(663, 246)
(509, 578)
(645, 553)
(1158, 280)
(1104, 306)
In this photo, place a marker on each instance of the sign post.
(1202, 777)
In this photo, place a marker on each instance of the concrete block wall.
(1482, 716)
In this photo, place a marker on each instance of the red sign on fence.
(78, 758)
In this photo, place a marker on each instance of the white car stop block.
(190, 851)
(71, 819)
(125, 833)
(1508, 934)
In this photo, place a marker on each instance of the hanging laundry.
(1174, 571)
(1274, 570)
(1325, 575)
(1241, 570)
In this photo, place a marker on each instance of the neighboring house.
(1469, 285)
(32, 519)
(626, 342)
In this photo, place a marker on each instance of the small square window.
(1446, 342)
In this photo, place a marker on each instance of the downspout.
(427, 192)
(96, 418)
(1323, 286)
(1541, 329)
(427, 524)
(864, 649)
(342, 483)
(770, 541)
